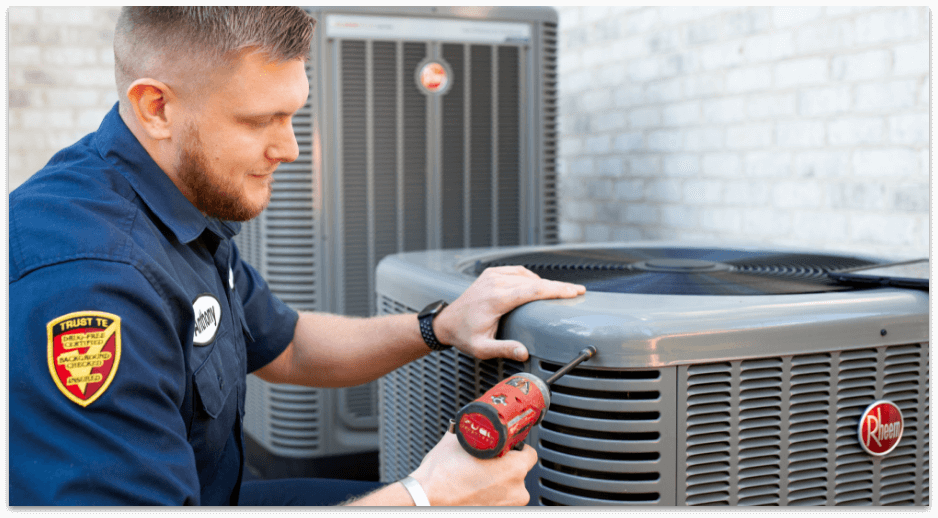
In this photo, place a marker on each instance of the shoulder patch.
(84, 351)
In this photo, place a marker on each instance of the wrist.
(427, 321)
(442, 327)
(417, 494)
(390, 495)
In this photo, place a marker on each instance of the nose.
(284, 147)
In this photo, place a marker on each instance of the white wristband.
(416, 491)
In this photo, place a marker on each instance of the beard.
(214, 194)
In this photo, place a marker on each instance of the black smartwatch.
(426, 325)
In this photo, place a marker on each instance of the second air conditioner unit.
(425, 128)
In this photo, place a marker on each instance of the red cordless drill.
(501, 419)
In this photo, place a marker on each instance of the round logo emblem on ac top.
(880, 428)
(433, 77)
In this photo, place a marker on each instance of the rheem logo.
(880, 428)
(433, 77)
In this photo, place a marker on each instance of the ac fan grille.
(684, 271)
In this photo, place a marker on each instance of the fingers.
(471, 321)
(558, 287)
(567, 290)
(527, 457)
(544, 289)
(491, 348)
(532, 455)
(511, 270)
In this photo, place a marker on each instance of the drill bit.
(585, 354)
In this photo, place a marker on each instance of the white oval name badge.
(207, 312)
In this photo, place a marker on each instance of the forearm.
(340, 351)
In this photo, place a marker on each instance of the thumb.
(510, 349)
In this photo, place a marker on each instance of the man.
(133, 321)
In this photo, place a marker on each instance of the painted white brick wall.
(61, 81)
(785, 126)
(801, 126)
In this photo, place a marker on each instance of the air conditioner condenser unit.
(724, 376)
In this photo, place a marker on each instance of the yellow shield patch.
(84, 352)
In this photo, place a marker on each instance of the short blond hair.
(148, 40)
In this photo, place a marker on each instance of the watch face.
(432, 309)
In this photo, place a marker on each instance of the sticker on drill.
(521, 383)
(84, 351)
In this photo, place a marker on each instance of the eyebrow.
(265, 115)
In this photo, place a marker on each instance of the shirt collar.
(116, 144)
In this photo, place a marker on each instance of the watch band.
(416, 491)
(425, 318)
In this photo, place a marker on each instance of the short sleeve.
(270, 321)
(97, 380)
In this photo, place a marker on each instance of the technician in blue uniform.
(133, 320)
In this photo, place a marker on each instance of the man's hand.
(471, 321)
(450, 476)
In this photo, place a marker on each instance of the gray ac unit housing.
(724, 376)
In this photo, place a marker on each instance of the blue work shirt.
(133, 324)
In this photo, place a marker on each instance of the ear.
(149, 99)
